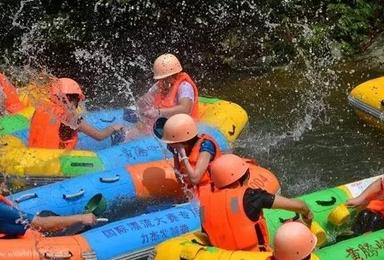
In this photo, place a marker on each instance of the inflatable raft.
(221, 119)
(129, 238)
(367, 99)
(368, 246)
(148, 180)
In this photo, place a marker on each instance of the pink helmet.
(227, 169)
(293, 241)
(165, 66)
(64, 86)
(179, 128)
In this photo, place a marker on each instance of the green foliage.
(354, 24)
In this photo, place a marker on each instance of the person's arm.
(55, 223)
(298, 206)
(195, 173)
(98, 134)
(371, 192)
(183, 107)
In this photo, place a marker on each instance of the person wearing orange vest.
(174, 92)
(231, 211)
(371, 218)
(8, 93)
(192, 152)
(55, 123)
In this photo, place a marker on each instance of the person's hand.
(307, 218)
(117, 127)
(354, 202)
(88, 219)
(151, 113)
(181, 151)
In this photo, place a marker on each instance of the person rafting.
(55, 123)
(232, 212)
(14, 222)
(9, 100)
(174, 92)
(293, 241)
(371, 218)
(192, 152)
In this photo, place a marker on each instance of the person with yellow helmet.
(192, 152)
(231, 211)
(56, 122)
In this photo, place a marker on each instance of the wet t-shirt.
(255, 200)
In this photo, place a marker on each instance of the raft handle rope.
(109, 179)
(26, 197)
(326, 203)
(108, 120)
(74, 196)
(80, 164)
(58, 255)
(296, 217)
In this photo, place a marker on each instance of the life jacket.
(377, 205)
(170, 100)
(12, 101)
(224, 220)
(194, 156)
(5, 200)
(46, 127)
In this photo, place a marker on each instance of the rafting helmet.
(166, 65)
(293, 241)
(66, 86)
(227, 169)
(179, 128)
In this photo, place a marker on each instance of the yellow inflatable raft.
(367, 99)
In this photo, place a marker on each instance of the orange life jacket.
(12, 101)
(5, 200)
(194, 156)
(377, 205)
(224, 219)
(45, 128)
(170, 100)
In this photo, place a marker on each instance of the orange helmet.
(165, 66)
(293, 241)
(227, 169)
(179, 128)
(64, 86)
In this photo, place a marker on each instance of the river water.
(305, 132)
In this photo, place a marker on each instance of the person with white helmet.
(55, 122)
(293, 241)
(231, 211)
(192, 152)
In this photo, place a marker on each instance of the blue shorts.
(12, 221)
